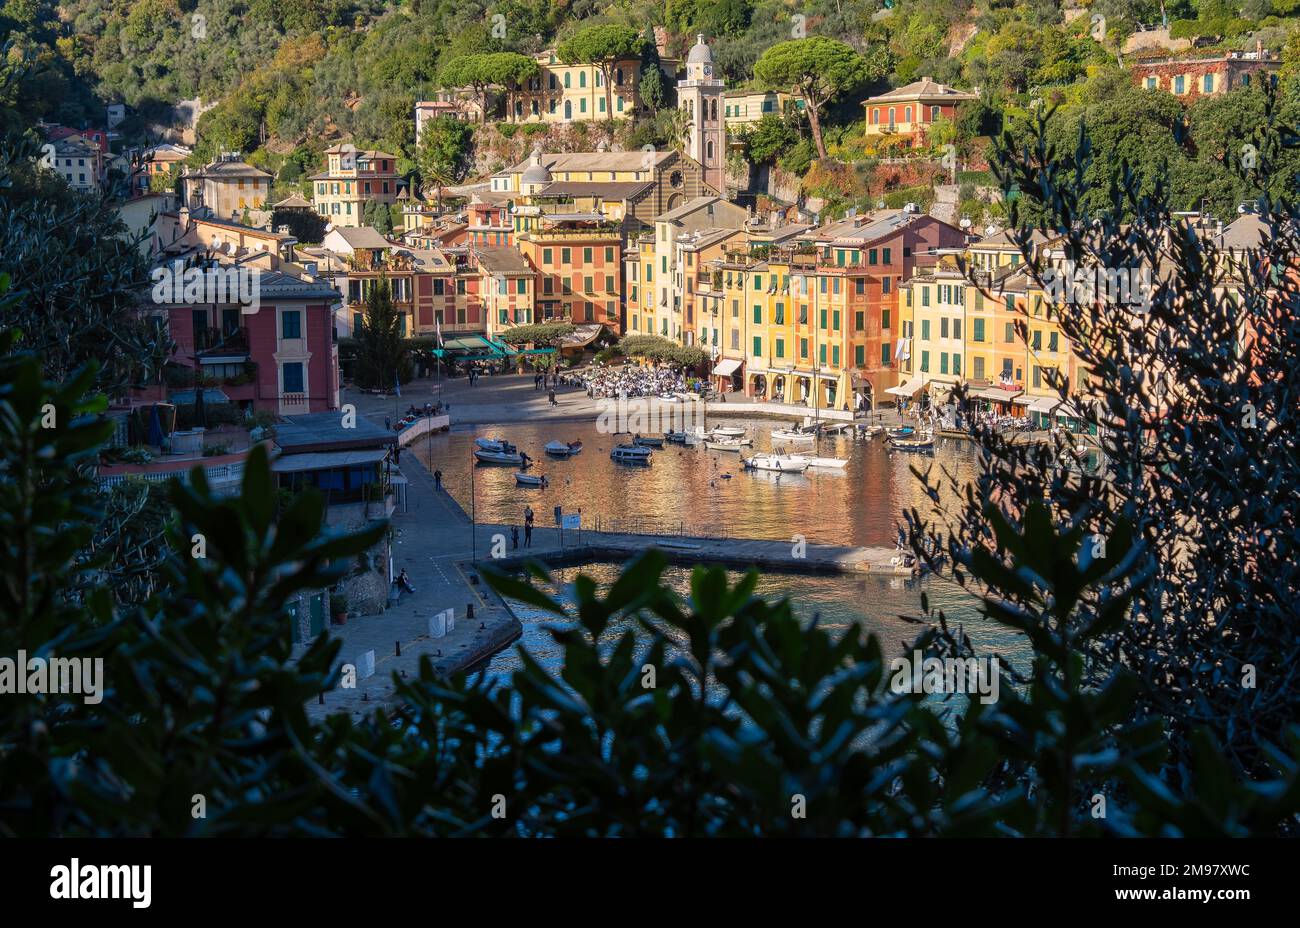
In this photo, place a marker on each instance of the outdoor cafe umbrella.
(200, 411)
(155, 427)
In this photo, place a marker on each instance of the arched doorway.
(779, 388)
(758, 386)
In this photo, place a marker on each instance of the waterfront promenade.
(432, 541)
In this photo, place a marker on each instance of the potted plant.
(338, 609)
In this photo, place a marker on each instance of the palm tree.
(436, 177)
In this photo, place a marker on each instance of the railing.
(637, 525)
(224, 479)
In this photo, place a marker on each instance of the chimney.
(183, 215)
(1259, 48)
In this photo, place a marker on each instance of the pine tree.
(382, 357)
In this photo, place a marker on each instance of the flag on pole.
(437, 328)
(397, 383)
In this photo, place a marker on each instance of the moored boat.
(648, 441)
(793, 435)
(781, 464)
(912, 444)
(495, 444)
(630, 454)
(826, 463)
(735, 444)
(676, 438)
(499, 457)
(562, 449)
(727, 431)
(530, 480)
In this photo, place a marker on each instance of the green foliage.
(658, 348)
(306, 226)
(816, 69)
(542, 334)
(75, 274)
(381, 355)
(443, 155)
(768, 139)
(602, 45)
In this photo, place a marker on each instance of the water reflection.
(836, 601)
(705, 491)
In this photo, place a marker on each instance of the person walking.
(514, 537)
(553, 401)
(437, 480)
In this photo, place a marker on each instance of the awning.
(211, 396)
(914, 383)
(996, 394)
(726, 367)
(1042, 403)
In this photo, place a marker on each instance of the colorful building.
(1190, 78)
(226, 187)
(910, 111)
(351, 179)
(564, 93)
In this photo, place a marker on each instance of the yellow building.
(968, 330)
(351, 178)
(227, 187)
(744, 107)
(564, 93)
(675, 177)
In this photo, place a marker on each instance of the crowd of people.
(629, 381)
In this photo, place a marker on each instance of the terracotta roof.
(502, 261)
(924, 90)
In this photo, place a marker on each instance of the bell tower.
(700, 93)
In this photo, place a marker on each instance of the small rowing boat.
(562, 449)
(727, 431)
(648, 441)
(530, 480)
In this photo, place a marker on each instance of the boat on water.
(499, 457)
(676, 438)
(836, 428)
(826, 463)
(727, 431)
(793, 435)
(905, 431)
(870, 431)
(530, 480)
(781, 464)
(670, 397)
(562, 449)
(495, 444)
(630, 454)
(925, 443)
(648, 441)
(734, 444)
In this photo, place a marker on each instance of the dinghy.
(499, 457)
(729, 431)
(530, 480)
(630, 454)
(905, 432)
(676, 438)
(647, 441)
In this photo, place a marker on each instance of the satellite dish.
(1047, 253)
(965, 222)
(990, 230)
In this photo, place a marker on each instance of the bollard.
(399, 649)
(322, 698)
(469, 611)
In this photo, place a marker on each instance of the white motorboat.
(530, 480)
(676, 438)
(670, 397)
(781, 464)
(495, 444)
(562, 449)
(735, 444)
(728, 431)
(827, 463)
(793, 435)
(499, 457)
(648, 441)
(924, 443)
(630, 454)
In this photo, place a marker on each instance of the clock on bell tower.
(700, 93)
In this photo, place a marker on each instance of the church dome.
(700, 53)
(536, 172)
